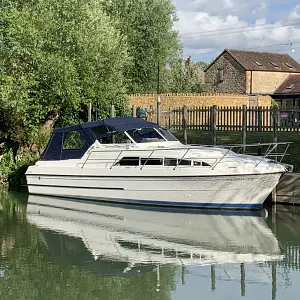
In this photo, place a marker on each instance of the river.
(57, 249)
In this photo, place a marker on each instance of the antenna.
(291, 45)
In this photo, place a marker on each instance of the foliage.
(183, 76)
(12, 170)
(148, 26)
(55, 57)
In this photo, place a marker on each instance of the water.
(56, 249)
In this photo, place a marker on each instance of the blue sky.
(206, 27)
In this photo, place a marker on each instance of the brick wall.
(234, 77)
(194, 100)
(264, 82)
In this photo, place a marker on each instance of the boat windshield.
(147, 135)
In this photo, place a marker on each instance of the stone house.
(287, 95)
(249, 72)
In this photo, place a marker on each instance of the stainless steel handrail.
(214, 165)
(178, 162)
(147, 159)
(268, 152)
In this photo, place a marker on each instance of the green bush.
(12, 169)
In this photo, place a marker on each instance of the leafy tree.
(151, 38)
(183, 76)
(55, 57)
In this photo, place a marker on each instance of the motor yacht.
(131, 160)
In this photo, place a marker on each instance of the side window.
(73, 140)
(117, 138)
(220, 75)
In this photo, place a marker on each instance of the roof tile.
(290, 86)
(265, 61)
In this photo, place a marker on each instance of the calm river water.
(56, 249)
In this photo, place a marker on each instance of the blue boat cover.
(120, 124)
(55, 151)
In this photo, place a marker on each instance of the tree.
(55, 57)
(183, 76)
(151, 38)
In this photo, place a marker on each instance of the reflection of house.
(287, 95)
(249, 72)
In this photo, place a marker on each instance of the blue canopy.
(120, 124)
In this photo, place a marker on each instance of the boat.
(131, 160)
(142, 236)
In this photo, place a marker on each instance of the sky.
(207, 27)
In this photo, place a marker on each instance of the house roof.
(290, 86)
(262, 61)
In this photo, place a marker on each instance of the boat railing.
(271, 152)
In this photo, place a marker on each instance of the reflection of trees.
(30, 272)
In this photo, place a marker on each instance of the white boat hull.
(232, 192)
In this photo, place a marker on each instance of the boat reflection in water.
(136, 236)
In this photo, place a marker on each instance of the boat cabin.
(72, 142)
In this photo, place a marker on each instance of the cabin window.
(53, 149)
(129, 161)
(201, 163)
(117, 138)
(166, 134)
(101, 131)
(137, 161)
(168, 162)
(73, 140)
(145, 135)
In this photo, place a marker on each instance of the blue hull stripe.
(169, 203)
(187, 204)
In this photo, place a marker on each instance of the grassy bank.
(235, 137)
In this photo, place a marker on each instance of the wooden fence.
(228, 118)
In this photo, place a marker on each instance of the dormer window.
(258, 63)
(290, 86)
(289, 66)
(274, 64)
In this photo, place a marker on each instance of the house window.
(220, 75)
(273, 64)
(290, 86)
(258, 63)
(288, 65)
(73, 140)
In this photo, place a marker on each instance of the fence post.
(89, 112)
(158, 105)
(112, 111)
(275, 123)
(213, 122)
(170, 117)
(259, 119)
(134, 111)
(244, 127)
(185, 123)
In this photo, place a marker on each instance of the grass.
(235, 137)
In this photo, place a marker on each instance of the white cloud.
(204, 28)
(295, 13)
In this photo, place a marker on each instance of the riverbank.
(13, 168)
